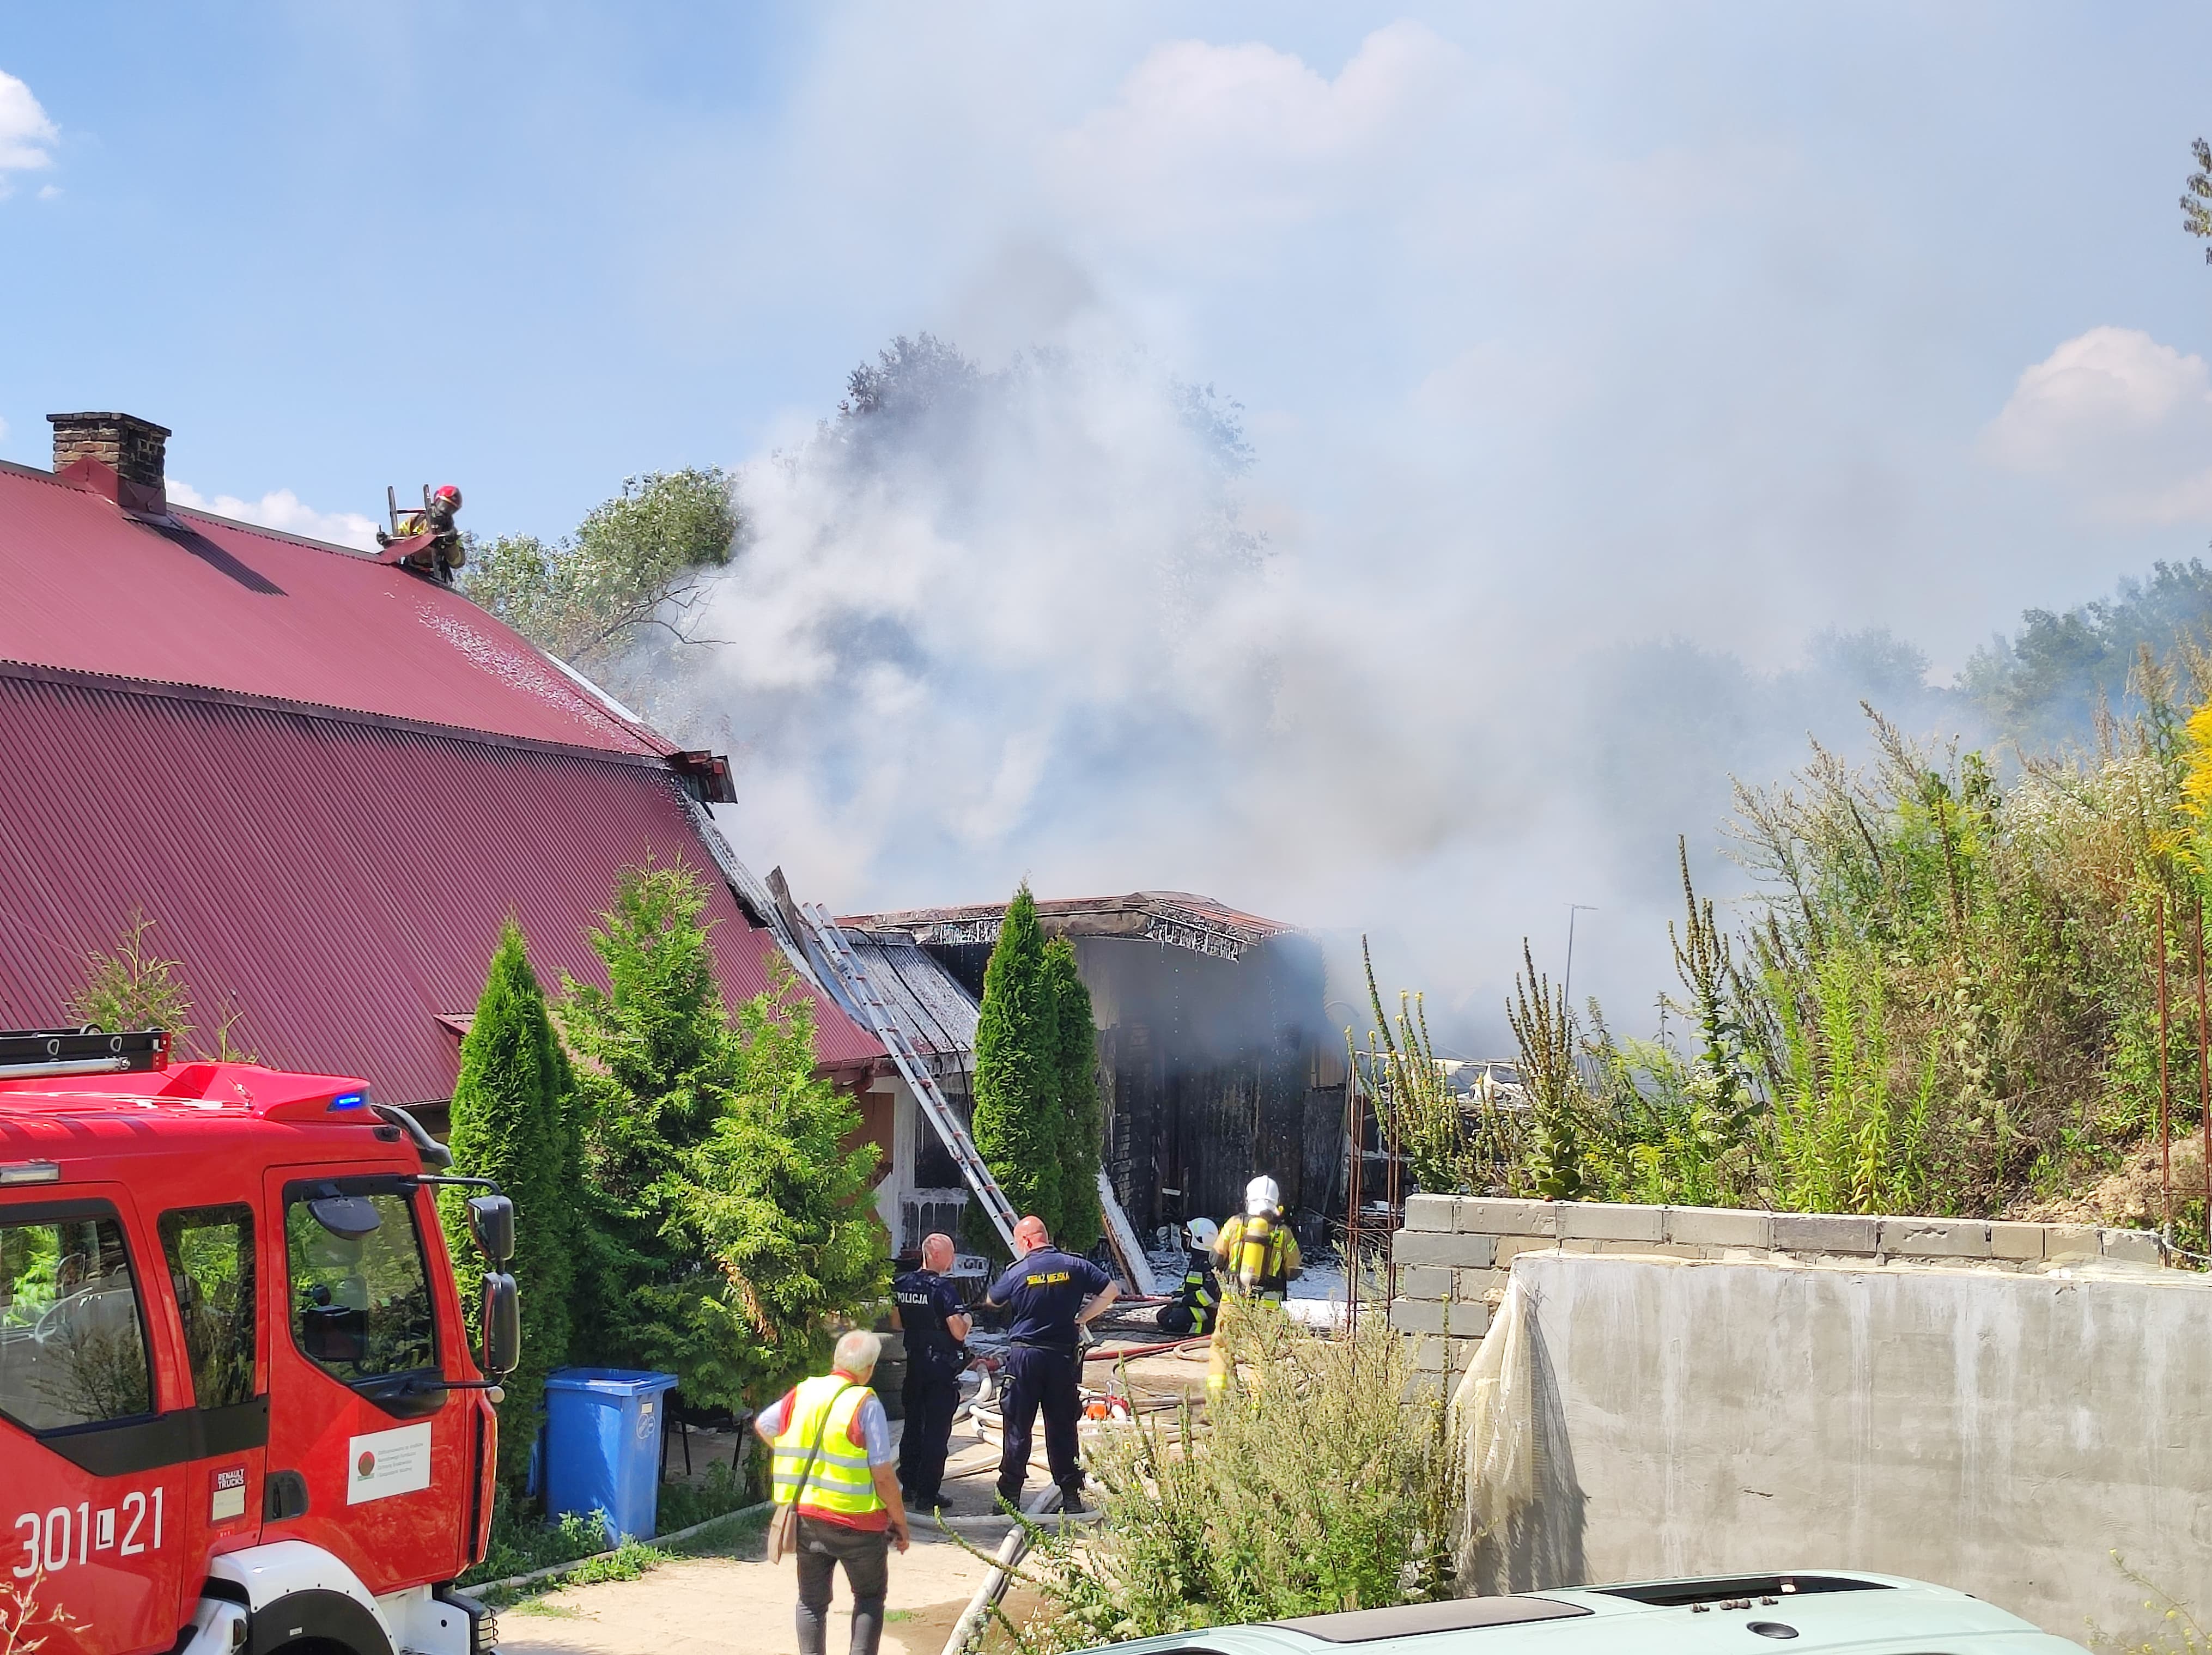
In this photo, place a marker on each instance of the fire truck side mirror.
(502, 1325)
(491, 1221)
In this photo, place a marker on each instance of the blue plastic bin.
(602, 1446)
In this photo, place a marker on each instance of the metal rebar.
(1356, 1107)
(2164, 1084)
(2203, 1071)
(1390, 1191)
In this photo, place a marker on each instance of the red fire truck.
(239, 1410)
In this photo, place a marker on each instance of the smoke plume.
(1040, 622)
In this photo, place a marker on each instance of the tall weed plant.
(1940, 997)
(1310, 1486)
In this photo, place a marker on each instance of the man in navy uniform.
(928, 1312)
(1049, 1297)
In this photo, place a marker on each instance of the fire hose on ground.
(969, 1628)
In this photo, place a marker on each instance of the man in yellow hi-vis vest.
(834, 1456)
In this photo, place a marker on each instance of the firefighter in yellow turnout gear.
(1259, 1259)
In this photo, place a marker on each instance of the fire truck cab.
(240, 1413)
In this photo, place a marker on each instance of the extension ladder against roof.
(854, 977)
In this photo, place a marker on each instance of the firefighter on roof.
(440, 551)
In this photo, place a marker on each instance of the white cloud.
(283, 510)
(25, 132)
(2117, 418)
(1219, 140)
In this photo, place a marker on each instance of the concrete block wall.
(1456, 1251)
(1954, 1419)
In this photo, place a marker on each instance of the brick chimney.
(117, 455)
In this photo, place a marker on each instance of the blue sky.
(1577, 325)
(536, 247)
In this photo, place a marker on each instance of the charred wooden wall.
(1214, 1070)
(1211, 1070)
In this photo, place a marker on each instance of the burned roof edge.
(1175, 919)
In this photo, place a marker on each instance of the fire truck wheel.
(316, 1623)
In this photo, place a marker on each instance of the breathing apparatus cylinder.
(1252, 1249)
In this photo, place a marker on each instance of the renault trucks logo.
(227, 1503)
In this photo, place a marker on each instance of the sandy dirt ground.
(736, 1603)
(738, 1606)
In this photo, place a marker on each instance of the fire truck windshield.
(72, 1340)
(361, 1301)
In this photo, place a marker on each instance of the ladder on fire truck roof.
(54, 1052)
(853, 978)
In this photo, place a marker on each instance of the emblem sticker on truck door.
(387, 1462)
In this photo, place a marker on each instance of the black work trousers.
(1041, 1381)
(866, 1554)
(931, 1394)
(1178, 1316)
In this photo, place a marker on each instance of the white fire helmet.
(1201, 1233)
(1261, 1196)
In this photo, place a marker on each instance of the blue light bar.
(349, 1101)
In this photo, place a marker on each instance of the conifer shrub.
(511, 1123)
(727, 1224)
(131, 987)
(773, 1215)
(1018, 1123)
(650, 1051)
(1075, 1062)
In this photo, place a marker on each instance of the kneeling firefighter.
(1193, 1308)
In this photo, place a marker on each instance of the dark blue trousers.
(931, 1395)
(1040, 1381)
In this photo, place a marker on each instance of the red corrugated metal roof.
(339, 884)
(226, 606)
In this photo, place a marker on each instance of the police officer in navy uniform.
(1048, 1296)
(928, 1312)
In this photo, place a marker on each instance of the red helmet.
(449, 496)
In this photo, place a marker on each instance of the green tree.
(2197, 203)
(1076, 1059)
(636, 568)
(1018, 1124)
(725, 1223)
(653, 1050)
(132, 987)
(511, 1123)
(777, 1211)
